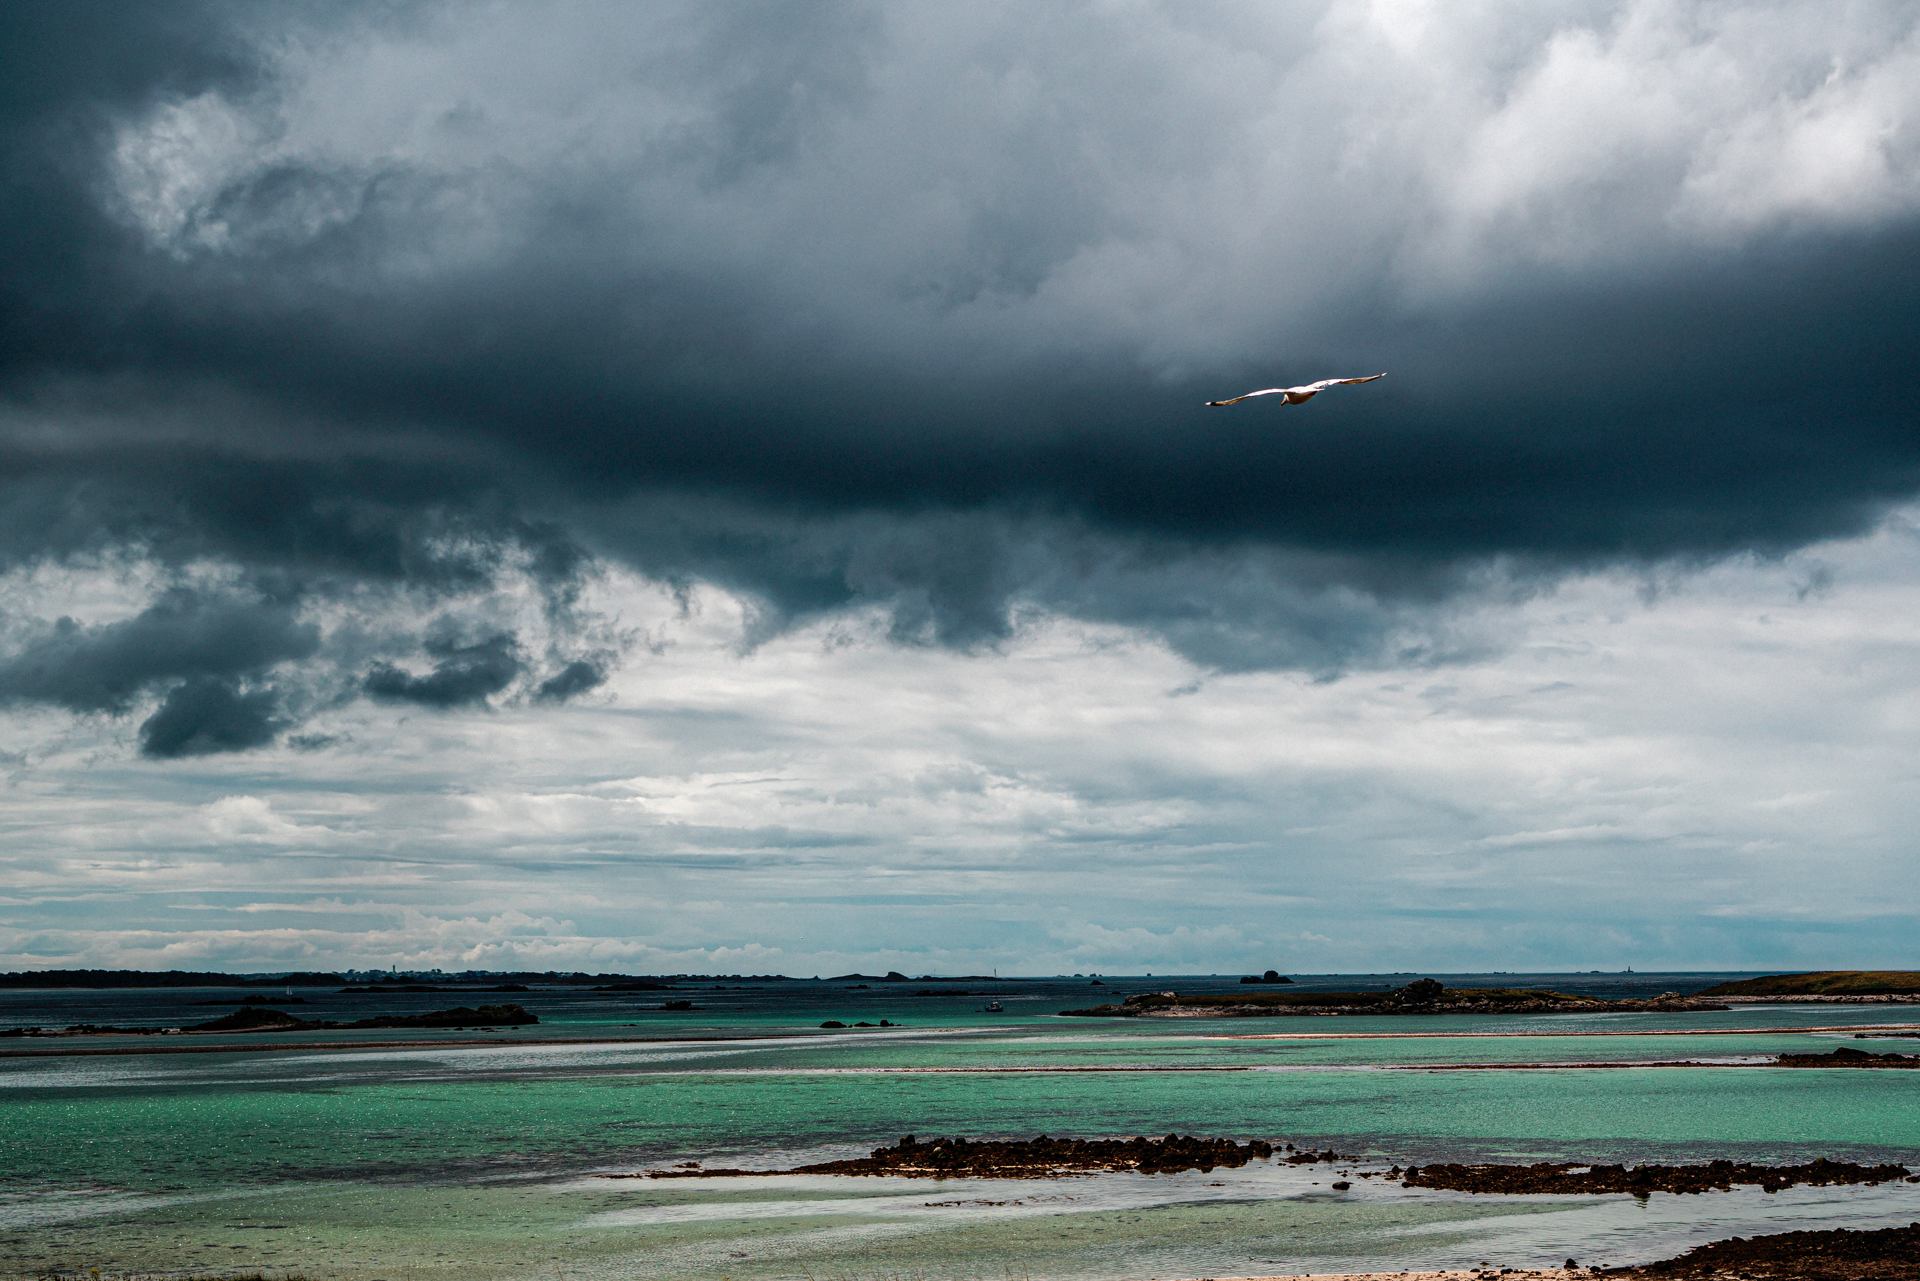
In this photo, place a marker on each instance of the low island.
(1422, 996)
(1894, 987)
(253, 1018)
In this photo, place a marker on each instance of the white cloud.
(1188, 186)
(250, 819)
(1709, 769)
(169, 165)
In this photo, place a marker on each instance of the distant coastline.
(1824, 985)
(360, 980)
(254, 1018)
(1422, 996)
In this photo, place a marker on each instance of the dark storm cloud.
(206, 715)
(102, 668)
(576, 678)
(462, 675)
(846, 305)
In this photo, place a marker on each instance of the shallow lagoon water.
(485, 1160)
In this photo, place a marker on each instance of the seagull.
(1296, 395)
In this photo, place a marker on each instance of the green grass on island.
(1825, 983)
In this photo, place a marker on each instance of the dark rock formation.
(253, 1019)
(1848, 1057)
(1838, 1254)
(459, 1016)
(1310, 1157)
(947, 1158)
(1041, 1157)
(1644, 1180)
(1421, 992)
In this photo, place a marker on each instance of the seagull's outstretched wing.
(1297, 395)
(1325, 383)
(1264, 391)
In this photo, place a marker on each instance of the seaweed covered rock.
(1834, 1254)
(1848, 1057)
(1644, 1180)
(1044, 1155)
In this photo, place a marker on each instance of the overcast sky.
(725, 487)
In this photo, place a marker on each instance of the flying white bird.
(1297, 395)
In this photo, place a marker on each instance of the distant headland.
(1825, 985)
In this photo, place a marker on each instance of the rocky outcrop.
(1644, 1180)
(1041, 1157)
(1014, 1158)
(1837, 1254)
(253, 1019)
(459, 1016)
(1847, 1057)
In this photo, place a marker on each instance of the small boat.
(993, 1007)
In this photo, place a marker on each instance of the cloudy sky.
(725, 487)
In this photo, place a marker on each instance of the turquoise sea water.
(480, 1161)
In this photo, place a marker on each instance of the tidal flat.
(411, 1156)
